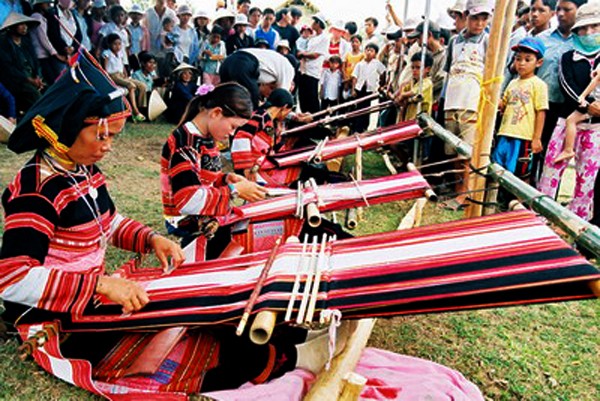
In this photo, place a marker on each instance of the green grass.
(547, 352)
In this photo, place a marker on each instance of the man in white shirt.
(312, 68)
(365, 77)
(153, 21)
(258, 70)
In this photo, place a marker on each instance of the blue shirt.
(271, 36)
(137, 35)
(556, 46)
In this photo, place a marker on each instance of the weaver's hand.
(234, 178)
(126, 293)
(250, 191)
(165, 248)
(594, 109)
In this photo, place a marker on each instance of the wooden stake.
(299, 269)
(310, 313)
(308, 282)
(359, 176)
(503, 20)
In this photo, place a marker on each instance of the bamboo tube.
(262, 327)
(351, 219)
(313, 215)
(429, 194)
(335, 165)
(353, 385)
(461, 147)
(503, 20)
(332, 109)
(328, 385)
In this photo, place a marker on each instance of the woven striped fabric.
(339, 196)
(345, 146)
(500, 260)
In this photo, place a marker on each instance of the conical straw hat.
(6, 128)
(16, 19)
(156, 105)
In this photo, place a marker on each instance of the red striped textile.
(501, 260)
(334, 197)
(346, 146)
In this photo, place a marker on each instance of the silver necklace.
(92, 191)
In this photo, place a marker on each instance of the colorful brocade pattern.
(58, 225)
(192, 182)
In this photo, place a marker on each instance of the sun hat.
(15, 19)
(241, 19)
(184, 9)
(587, 14)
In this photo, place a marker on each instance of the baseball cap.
(433, 27)
(531, 43)
(476, 7)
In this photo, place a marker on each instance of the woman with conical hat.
(21, 72)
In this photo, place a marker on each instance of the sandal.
(138, 118)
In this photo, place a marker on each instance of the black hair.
(318, 21)
(373, 20)
(114, 11)
(335, 59)
(268, 11)
(145, 56)
(578, 3)
(217, 30)
(548, 3)
(280, 98)
(356, 37)
(253, 10)
(428, 58)
(295, 12)
(446, 35)
(109, 40)
(167, 21)
(525, 10)
(231, 97)
(351, 27)
(373, 46)
(279, 15)
(240, 2)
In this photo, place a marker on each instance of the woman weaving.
(60, 219)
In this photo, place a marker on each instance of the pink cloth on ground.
(390, 377)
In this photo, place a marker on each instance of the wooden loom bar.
(264, 274)
(503, 20)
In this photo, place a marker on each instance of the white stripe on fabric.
(241, 145)
(196, 202)
(115, 223)
(61, 368)
(29, 290)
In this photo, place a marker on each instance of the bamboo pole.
(585, 234)
(503, 20)
(329, 384)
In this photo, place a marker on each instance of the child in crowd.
(365, 81)
(213, 52)
(409, 96)
(302, 42)
(112, 62)
(138, 35)
(118, 19)
(524, 103)
(331, 83)
(168, 38)
(577, 117)
(464, 65)
(183, 91)
(96, 22)
(147, 72)
(350, 61)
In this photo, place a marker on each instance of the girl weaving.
(194, 189)
(60, 219)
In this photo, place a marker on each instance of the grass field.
(547, 352)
